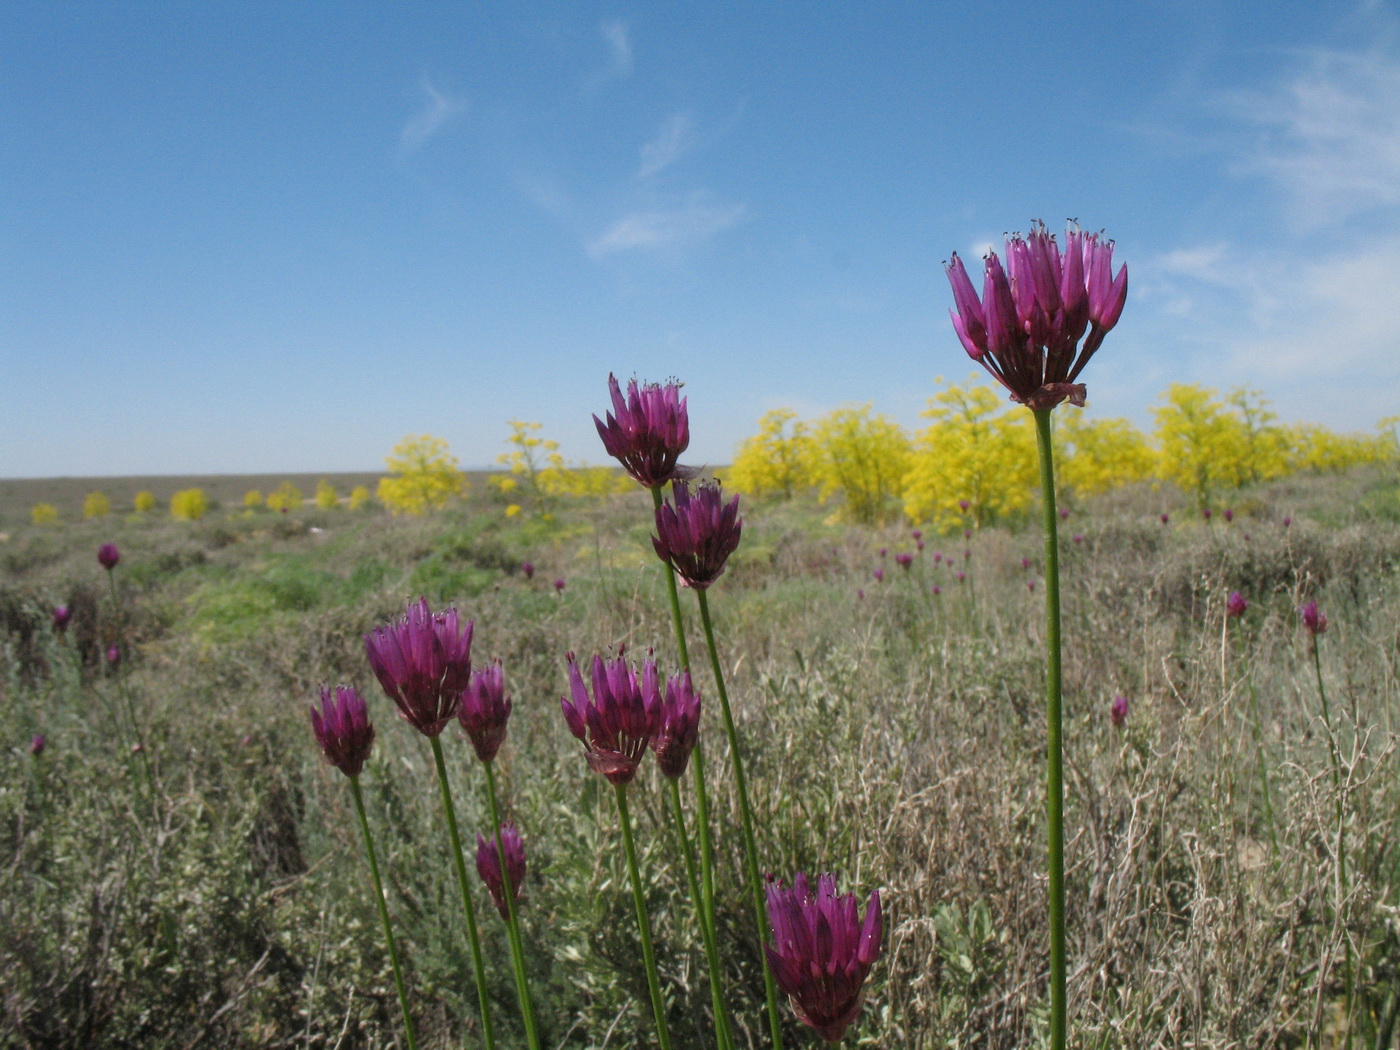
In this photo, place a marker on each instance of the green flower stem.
(775, 1019)
(1350, 976)
(517, 951)
(383, 911)
(1054, 748)
(488, 1032)
(658, 1008)
(722, 1034)
(125, 693)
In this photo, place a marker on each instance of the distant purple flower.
(860, 593)
(1228, 514)
(967, 554)
(1205, 513)
(904, 559)
(1165, 517)
(343, 729)
(1235, 605)
(37, 745)
(114, 655)
(822, 951)
(919, 545)
(879, 575)
(679, 726)
(967, 534)
(1118, 711)
(1025, 563)
(917, 535)
(1026, 328)
(528, 568)
(621, 718)
(1030, 585)
(108, 556)
(424, 662)
(1287, 521)
(647, 432)
(697, 532)
(963, 505)
(61, 615)
(1314, 619)
(488, 866)
(937, 589)
(961, 576)
(1078, 537)
(937, 557)
(884, 552)
(1064, 513)
(559, 585)
(485, 710)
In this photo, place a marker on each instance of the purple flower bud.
(1025, 563)
(528, 569)
(917, 535)
(904, 559)
(884, 552)
(937, 557)
(822, 951)
(1030, 585)
(1205, 513)
(61, 615)
(1235, 605)
(961, 576)
(963, 505)
(114, 655)
(967, 534)
(37, 745)
(679, 727)
(488, 866)
(1314, 619)
(423, 661)
(342, 728)
(1165, 517)
(879, 575)
(647, 432)
(1118, 711)
(1229, 515)
(485, 710)
(108, 556)
(937, 589)
(919, 545)
(1078, 537)
(1287, 521)
(559, 585)
(1064, 513)
(860, 593)
(618, 722)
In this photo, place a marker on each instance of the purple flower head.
(1030, 586)
(619, 721)
(1026, 328)
(1228, 514)
(114, 655)
(1118, 710)
(1287, 521)
(1165, 517)
(1235, 605)
(963, 505)
(904, 559)
(1314, 619)
(679, 726)
(937, 557)
(1078, 537)
(343, 729)
(697, 532)
(61, 615)
(919, 545)
(860, 593)
(1064, 513)
(647, 432)
(528, 568)
(485, 710)
(961, 576)
(424, 662)
(1025, 563)
(967, 554)
(1205, 513)
(488, 866)
(37, 745)
(879, 575)
(937, 589)
(967, 534)
(917, 535)
(108, 556)
(822, 951)
(558, 585)
(884, 552)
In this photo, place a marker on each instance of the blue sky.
(262, 237)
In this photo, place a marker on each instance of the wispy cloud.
(674, 140)
(439, 108)
(695, 219)
(618, 40)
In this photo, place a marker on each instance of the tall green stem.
(383, 911)
(658, 1007)
(722, 1034)
(1341, 829)
(118, 613)
(775, 1019)
(517, 951)
(488, 1032)
(1054, 749)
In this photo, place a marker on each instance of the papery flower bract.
(1235, 605)
(619, 721)
(1118, 710)
(1026, 328)
(108, 556)
(61, 615)
(647, 432)
(485, 710)
(423, 660)
(343, 728)
(37, 745)
(1314, 619)
(678, 727)
(488, 866)
(822, 952)
(697, 532)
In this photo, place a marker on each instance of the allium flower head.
(114, 655)
(1118, 710)
(343, 729)
(559, 585)
(697, 532)
(1165, 517)
(1205, 513)
(61, 615)
(822, 951)
(488, 866)
(1314, 619)
(621, 718)
(37, 745)
(485, 710)
(904, 559)
(528, 568)
(1026, 328)
(108, 556)
(1235, 605)
(647, 432)
(679, 726)
(962, 503)
(424, 662)
(1287, 521)
(879, 575)
(1228, 514)
(917, 535)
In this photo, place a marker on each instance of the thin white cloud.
(696, 219)
(619, 44)
(673, 141)
(439, 108)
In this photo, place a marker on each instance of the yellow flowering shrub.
(863, 458)
(1201, 446)
(188, 505)
(977, 447)
(144, 501)
(359, 496)
(285, 498)
(96, 505)
(1262, 446)
(777, 461)
(252, 499)
(326, 497)
(1096, 455)
(539, 474)
(423, 476)
(43, 514)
